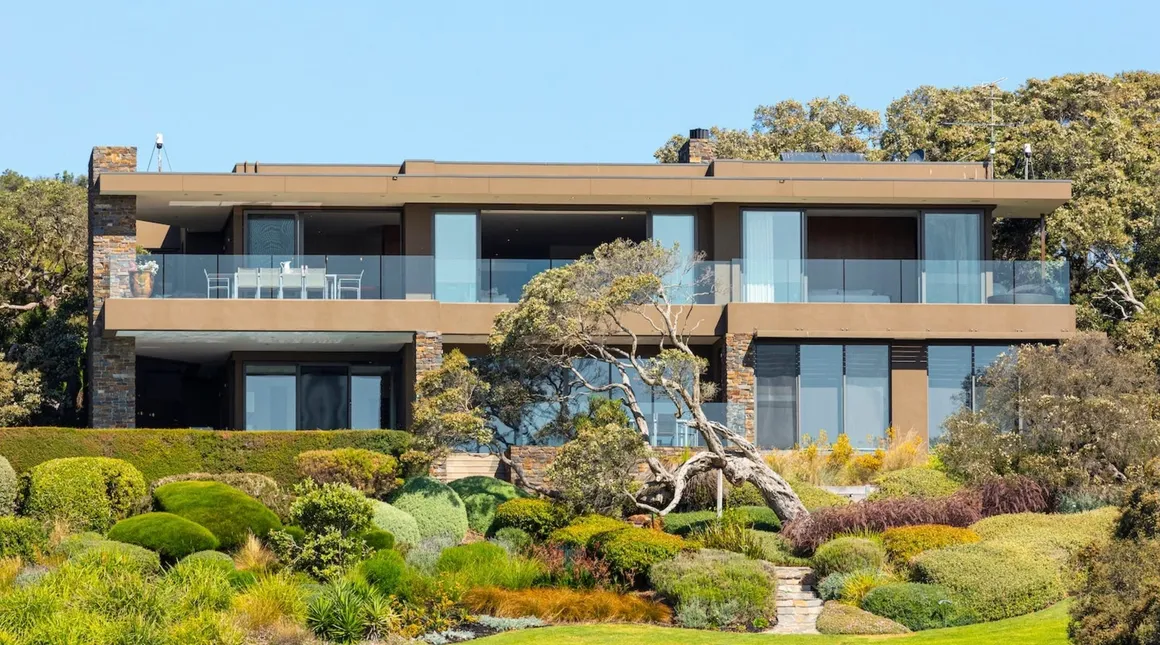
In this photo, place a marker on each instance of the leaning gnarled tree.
(624, 287)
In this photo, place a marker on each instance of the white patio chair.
(215, 282)
(293, 279)
(268, 279)
(246, 279)
(314, 280)
(351, 283)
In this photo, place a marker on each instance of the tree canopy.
(1102, 132)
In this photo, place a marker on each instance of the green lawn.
(1047, 627)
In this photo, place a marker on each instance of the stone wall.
(428, 352)
(740, 382)
(697, 151)
(112, 362)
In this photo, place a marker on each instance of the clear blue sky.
(379, 82)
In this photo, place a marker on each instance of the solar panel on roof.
(802, 156)
(845, 156)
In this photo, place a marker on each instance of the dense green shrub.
(372, 473)
(330, 507)
(326, 556)
(840, 618)
(761, 518)
(914, 482)
(815, 498)
(85, 492)
(777, 550)
(221, 559)
(160, 453)
(261, 487)
(385, 571)
(21, 536)
(1140, 512)
(994, 581)
(481, 495)
(346, 612)
(848, 554)
(378, 539)
(1115, 604)
(85, 546)
(173, 537)
(513, 539)
(905, 542)
(633, 550)
(436, 508)
(918, 606)
(8, 488)
(1088, 499)
(227, 512)
(1059, 537)
(580, 532)
(399, 523)
(483, 564)
(717, 589)
(852, 587)
(746, 494)
(538, 517)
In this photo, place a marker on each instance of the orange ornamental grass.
(557, 605)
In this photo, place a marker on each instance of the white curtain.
(771, 256)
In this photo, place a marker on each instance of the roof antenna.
(159, 150)
(160, 143)
(990, 125)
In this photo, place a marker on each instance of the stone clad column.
(112, 362)
(740, 383)
(420, 357)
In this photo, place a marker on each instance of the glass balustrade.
(414, 277)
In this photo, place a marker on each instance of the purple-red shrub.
(1012, 494)
(961, 509)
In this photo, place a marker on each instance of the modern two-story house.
(848, 296)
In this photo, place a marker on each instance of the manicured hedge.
(399, 523)
(847, 555)
(8, 488)
(580, 532)
(482, 495)
(173, 537)
(227, 512)
(918, 606)
(92, 545)
(905, 542)
(762, 518)
(89, 493)
(961, 509)
(839, 618)
(538, 517)
(437, 510)
(160, 453)
(816, 498)
(633, 550)
(1057, 536)
(994, 581)
(914, 482)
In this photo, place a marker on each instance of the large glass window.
(803, 390)
(317, 397)
(953, 382)
(952, 257)
(456, 257)
(679, 230)
(272, 235)
(771, 254)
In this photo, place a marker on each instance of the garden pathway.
(797, 604)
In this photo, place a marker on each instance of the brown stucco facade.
(873, 211)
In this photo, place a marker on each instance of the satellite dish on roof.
(917, 155)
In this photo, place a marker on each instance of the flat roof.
(168, 195)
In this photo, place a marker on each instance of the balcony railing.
(418, 277)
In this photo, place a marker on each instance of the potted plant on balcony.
(141, 278)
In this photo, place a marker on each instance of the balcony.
(394, 277)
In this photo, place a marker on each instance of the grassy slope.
(1047, 627)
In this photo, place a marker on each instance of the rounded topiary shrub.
(745, 494)
(513, 539)
(995, 581)
(173, 537)
(399, 523)
(437, 510)
(481, 495)
(227, 512)
(579, 533)
(905, 542)
(84, 546)
(261, 487)
(22, 536)
(372, 473)
(89, 493)
(222, 559)
(385, 571)
(914, 482)
(378, 539)
(918, 606)
(815, 497)
(717, 589)
(538, 517)
(760, 518)
(633, 550)
(8, 488)
(847, 555)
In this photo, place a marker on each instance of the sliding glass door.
(771, 254)
(456, 257)
(318, 397)
(677, 230)
(952, 257)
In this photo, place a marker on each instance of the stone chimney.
(700, 147)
